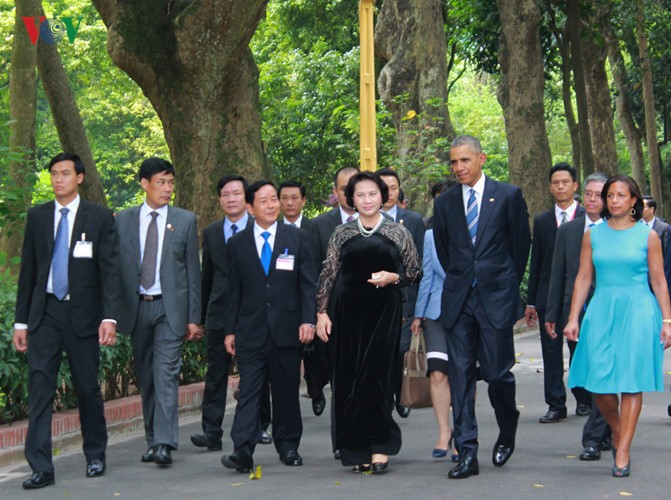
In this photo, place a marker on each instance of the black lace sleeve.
(412, 266)
(331, 265)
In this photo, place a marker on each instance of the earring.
(632, 212)
(356, 209)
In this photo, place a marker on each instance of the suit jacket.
(565, 266)
(545, 232)
(431, 286)
(661, 228)
(322, 228)
(93, 283)
(179, 266)
(260, 306)
(214, 274)
(498, 259)
(415, 224)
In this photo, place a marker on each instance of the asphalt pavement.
(545, 464)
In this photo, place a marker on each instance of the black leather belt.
(150, 298)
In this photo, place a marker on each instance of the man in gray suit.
(161, 300)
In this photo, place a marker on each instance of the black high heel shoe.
(622, 471)
(361, 468)
(379, 467)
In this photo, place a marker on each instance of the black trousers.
(282, 366)
(553, 366)
(474, 339)
(45, 352)
(317, 369)
(596, 428)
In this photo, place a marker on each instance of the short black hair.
(66, 156)
(254, 187)
(390, 172)
(634, 191)
(152, 166)
(291, 184)
(558, 167)
(650, 201)
(401, 195)
(343, 169)
(230, 178)
(366, 176)
(442, 186)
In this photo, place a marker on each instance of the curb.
(122, 415)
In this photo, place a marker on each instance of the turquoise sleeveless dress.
(619, 346)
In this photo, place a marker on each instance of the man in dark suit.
(565, 265)
(415, 224)
(214, 275)
(270, 314)
(67, 299)
(482, 239)
(161, 300)
(563, 185)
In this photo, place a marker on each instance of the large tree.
(193, 62)
(521, 97)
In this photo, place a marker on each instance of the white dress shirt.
(479, 189)
(73, 206)
(570, 213)
(392, 212)
(590, 223)
(161, 221)
(344, 215)
(296, 223)
(260, 240)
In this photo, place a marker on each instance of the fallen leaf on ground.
(257, 473)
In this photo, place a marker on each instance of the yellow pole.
(367, 86)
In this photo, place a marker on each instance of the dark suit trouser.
(157, 351)
(283, 366)
(45, 352)
(316, 366)
(471, 339)
(596, 428)
(216, 384)
(581, 395)
(553, 366)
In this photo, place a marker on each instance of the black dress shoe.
(583, 410)
(95, 468)
(149, 454)
(318, 405)
(590, 453)
(291, 458)
(265, 438)
(336, 454)
(502, 452)
(669, 410)
(204, 441)
(379, 467)
(552, 416)
(606, 444)
(39, 480)
(162, 455)
(467, 467)
(403, 411)
(239, 460)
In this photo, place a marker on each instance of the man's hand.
(550, 329)
(306, 332)
(193, 331)
(20, 340)
(323, 326)
(107, 333)
(531, 316)
(229, 342)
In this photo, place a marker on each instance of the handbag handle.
(417, 345)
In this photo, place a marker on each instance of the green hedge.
(117, 377)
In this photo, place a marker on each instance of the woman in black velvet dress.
(367, 262)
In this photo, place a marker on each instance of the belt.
(150, 298)
(65, 299)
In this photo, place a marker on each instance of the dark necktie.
(564, 218)
(59, 260)
(148, 268)
(350, 218)
(472, 215)
(266, 252)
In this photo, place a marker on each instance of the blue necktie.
(234, 229)
(59, 260)
(266, 252)
(472, 215)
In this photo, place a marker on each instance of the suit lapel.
(253, 253)
(135, 234)
(458, 203)
(168, 233)
(578, 233)
(47, 224)
(487, 206)
(279, 246)
(80, 218)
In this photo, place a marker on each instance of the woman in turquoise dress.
(623, 335)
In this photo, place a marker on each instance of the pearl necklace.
(367, 233)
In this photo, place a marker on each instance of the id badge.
(83, 249)
(285, 262)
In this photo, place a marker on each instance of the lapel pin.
(170, 227)
(491, 200)
(400, 221)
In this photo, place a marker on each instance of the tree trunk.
(192, 61)
(22, 103)
(67, 118)
(574, 32)
(410, 39)
(649, 106)
(521, 96)
(600, 106)
(624, 115)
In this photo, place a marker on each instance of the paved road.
(544, 466)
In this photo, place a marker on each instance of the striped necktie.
(564, 218)
(472, 215)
